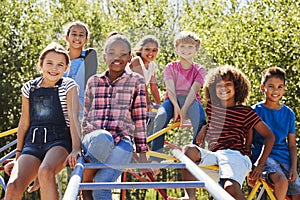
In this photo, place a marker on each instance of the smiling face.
(149, 52)
(186, 51)
(77, 37)
(274, 89)
(117, 56)
(53, 67)
(226, 93)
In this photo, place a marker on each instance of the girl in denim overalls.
(49, 129)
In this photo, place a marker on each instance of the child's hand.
(201, 135)
(177, 114)
(256, 172)
(35, 186)
(8, 167)
(72, 157)
(292, 175)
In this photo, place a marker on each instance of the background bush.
(251, 35)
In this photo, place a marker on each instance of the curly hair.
(227, 73)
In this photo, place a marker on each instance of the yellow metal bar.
(161, 155)
(254, 190)
(9, 132)
(212, 167)
(163, 131)
(268, 189)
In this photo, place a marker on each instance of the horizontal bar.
(141, 185)
(134, 165)
(9, 132)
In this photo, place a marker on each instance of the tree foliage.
(251, 35)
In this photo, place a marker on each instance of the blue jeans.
(100, 148)
(165, 114)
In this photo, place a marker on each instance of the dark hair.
(78, 23)
(55, 47)
(276, 72)
(227, 73)
(145, 40)
(117, 37)
(112, 33)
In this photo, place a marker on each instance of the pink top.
(184, 78)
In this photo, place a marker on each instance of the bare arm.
(24, 125)
(170, 85)
(293, 156)
(73, 112)
(154, 90)
(269, 139)
(135, 66)
(190, 98)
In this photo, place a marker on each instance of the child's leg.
(197, 116)
(88, 177)
(280, 184)
(233, 188)
(121, 154)
(52, 164)
(23, 173)
(164, 114)
(192, 153)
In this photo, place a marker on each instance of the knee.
(45, 172)
(279, 179)
(13, 191)
(192, 152)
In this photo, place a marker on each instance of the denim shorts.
(276, 166)
(232, 164)
(37, 143)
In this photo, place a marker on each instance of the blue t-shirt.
(77, 73)
(282, 123)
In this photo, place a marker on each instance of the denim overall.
(47, 122)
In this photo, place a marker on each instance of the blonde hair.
(187, 37)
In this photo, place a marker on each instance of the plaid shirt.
(118, 107)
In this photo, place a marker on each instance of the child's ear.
(104, 57)
(262, 88)
(129, 59)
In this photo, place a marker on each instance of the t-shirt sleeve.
(292, 125)
(251, 119)
(26, 88)
(200, 75)
(168, 74)
(69, 84)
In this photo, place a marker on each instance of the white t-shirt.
(148, 73)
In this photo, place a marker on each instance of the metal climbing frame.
(203, 180)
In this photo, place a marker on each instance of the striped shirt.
(66, 85)
(228, 127)
(118, 107)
